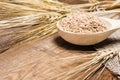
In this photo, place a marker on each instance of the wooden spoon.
(90, 38)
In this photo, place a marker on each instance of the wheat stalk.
(101, 58)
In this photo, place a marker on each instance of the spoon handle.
(115, 24)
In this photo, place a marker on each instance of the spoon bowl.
(90, 38)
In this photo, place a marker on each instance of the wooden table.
(42, 60)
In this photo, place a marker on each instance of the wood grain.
(42, 60)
